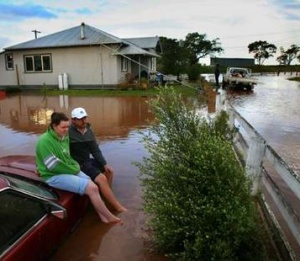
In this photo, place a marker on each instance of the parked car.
(236, 77)
(34, 218)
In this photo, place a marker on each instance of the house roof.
(82, 35)
(145, 42)
(130, 48)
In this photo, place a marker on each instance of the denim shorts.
(72, 183)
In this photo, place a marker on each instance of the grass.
(297, 79)
(185, 90)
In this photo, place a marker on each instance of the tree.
(172, 60)
(282, 59)
(262, 50)
(292, 53)
(197, 46)
(289, 55)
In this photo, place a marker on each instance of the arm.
(96, 151)
(55, 160)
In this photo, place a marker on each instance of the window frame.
(124, 64)
(27, 227)
(7, 62)
(38, 62)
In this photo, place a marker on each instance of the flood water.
(117, 123)
(272, 108)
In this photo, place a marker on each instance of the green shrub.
(195, 194)
(194, 72)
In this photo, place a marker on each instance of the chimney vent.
(82, 36)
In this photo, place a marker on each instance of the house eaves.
(131, 49)
(83, 35)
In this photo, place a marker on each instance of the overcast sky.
(235, 22)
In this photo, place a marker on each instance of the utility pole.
(35, 33)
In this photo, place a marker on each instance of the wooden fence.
(274, 182)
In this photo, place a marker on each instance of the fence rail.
(273, 181)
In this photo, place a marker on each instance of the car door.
(27, 222)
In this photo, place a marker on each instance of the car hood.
(21, 165)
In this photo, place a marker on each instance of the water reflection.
(116, 122)
(24, 115)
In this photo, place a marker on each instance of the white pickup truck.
(236, 77)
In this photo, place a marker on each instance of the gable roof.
(82, 35)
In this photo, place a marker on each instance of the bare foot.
(112, 220)
(115, 220)
(104, 219)
(121, 209)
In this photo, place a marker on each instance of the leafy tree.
(182, 56)
(292, 53)
(196, 194)
(172, 60)
(283, 57)
(262, 50)
(197, 46)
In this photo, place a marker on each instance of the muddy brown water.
(272, 108)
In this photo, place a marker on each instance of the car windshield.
(38, 189)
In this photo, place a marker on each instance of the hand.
(108, 169)
(109, 174)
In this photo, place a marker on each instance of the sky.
(236, 23)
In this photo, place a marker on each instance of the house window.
(9, 61)
(124, 64)
(38, 63)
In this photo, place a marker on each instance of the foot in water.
(111, 220)
(121, 209)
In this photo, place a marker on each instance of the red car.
(34, 218)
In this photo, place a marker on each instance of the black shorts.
(92, 168)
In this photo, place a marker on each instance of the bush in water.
(195, 193)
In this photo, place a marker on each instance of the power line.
(262, 34)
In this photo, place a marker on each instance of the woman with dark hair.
(58, 169)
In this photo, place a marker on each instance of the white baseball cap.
(78, 113)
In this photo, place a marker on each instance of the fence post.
(230, 112)
(220, 101)
(254, 162)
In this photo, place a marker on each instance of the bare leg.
(106, 191)
(109, 176)
(93, 193)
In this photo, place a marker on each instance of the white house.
(89, 57)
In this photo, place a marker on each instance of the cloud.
(25, 11)
(83, 11)
(235, 23)
(288, 8)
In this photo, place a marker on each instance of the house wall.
(93, 65)
(7, 77)
(123, 75)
